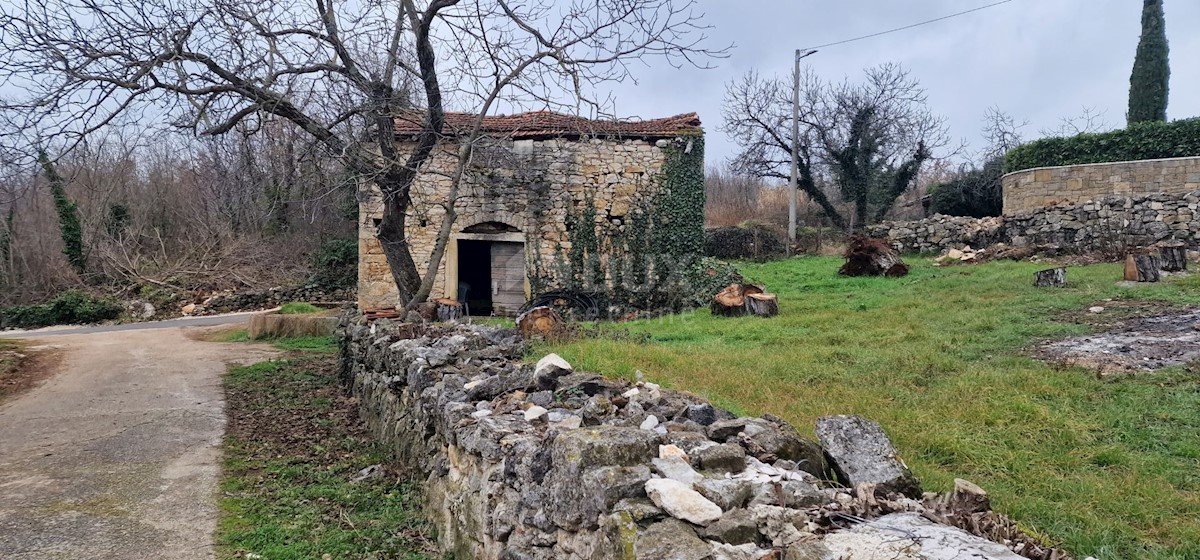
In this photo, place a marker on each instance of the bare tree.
(1002, 132)
(1088, 120)
(869, 138)
(341, 72)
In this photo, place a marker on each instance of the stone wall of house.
(1028, 190)
(1106, 223)
(532, 185)
(542, 462)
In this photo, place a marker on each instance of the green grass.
(1107, 467)
(299, 308)
(319, 344)
(231, 335)
(292, 446)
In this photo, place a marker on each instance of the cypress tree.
(1151, 76)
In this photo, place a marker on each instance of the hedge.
(71, 307)
(751, 240)
(1148, 140)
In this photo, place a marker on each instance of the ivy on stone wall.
(679, 211)
(648, 259)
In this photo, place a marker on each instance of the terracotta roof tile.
(548, 124)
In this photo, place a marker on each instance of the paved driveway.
(117, 456)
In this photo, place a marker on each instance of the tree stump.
(1052, 278)
(1148, 267)
(540, 321)
(762, 305)
(738, 300)
(1131, 274)
(1174, 257)
(448, 309)
(729, 302)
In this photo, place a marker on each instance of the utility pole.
(794, 183)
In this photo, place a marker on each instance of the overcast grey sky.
(1039, 60)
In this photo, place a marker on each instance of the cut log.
(1174, 257)
(1131, 274)
(729, 302)
(540, 321)
(872, 257)
(448, 309)
(1148, 267)
(1052, 278)
(762, 305)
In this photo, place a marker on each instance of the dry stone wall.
(542, 462)
(1105, 223)
(1031, 189)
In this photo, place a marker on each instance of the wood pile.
(872, 257)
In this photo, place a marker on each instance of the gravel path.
(117, 456)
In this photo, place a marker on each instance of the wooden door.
(508, 277)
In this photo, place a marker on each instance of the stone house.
(539, 183)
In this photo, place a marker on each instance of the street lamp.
(794, 183)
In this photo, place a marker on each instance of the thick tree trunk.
(1174, 257)
(1052, 278)
(395, 245)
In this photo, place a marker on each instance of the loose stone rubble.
(543, 462)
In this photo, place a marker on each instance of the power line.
(908, 26)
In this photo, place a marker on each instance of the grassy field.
(292, 447)
(1107, 467)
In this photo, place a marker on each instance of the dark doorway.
(491, 276)
(475, 276)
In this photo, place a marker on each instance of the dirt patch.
(23, 367)
(1130, 343)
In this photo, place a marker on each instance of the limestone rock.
(670, 539)
(790, 494)
(680, 501)
(725, 492)
(909, 536)
(722, 458)
(573, 499)
(639, 509)
(862, 453)
(677, 468)
(740, 552)
(735, 527)
(552, 365)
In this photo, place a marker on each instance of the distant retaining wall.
(1031, 189)
(1106, 223)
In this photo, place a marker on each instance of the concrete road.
(117, 456)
